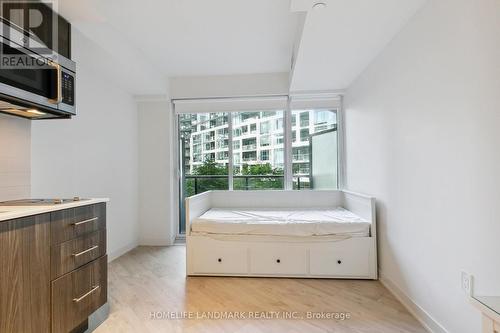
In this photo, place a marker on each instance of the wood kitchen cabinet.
(25, 274)
(53, 270)
(77, 294)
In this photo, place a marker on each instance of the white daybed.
(315, 234)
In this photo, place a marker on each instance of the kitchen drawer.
(72, 223)
(76, 252)
(347, 258)
(278, 260)
(78, 294)
(220, 259)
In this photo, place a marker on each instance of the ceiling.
(340, 40)
(151, 40)
(191, 37)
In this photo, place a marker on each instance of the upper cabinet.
(64, 37)
(42, 21)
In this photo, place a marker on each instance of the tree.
(259, 183)
(210, 168)
(203, 184)
(218, 181)
(261, 169)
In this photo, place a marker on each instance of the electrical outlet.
(466, 282)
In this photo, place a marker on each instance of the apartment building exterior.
(258, 138)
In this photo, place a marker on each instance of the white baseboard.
(112, 255)
(155, 242)
(429, 323)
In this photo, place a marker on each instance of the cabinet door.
(78, 294)
(45, 31)
(64, 37)
(25, 274)
(77, 252)
(75, 222)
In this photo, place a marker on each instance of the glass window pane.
(304, 119)
(314, 149)
(204, 154)
(265, 141)
(258, 161)
(204, 150)
(265, 127)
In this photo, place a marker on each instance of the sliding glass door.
(204, 155)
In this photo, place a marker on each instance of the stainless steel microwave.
(34, 85)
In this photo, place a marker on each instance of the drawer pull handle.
(86, 251)
(219, 260)
(76, 300)
(278, 260)
(339, 262)
(76, 224)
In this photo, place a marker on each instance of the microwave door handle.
(58, 98)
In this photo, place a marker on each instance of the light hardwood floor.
(152, 280)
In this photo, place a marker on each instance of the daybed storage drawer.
(278, 260)
(220, 259)
(74, 222)
(77, 252)
(347, 258)
(78, 294)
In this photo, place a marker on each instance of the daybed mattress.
(281, 222)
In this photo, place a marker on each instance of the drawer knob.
(219, 260)
(339, 262)
(278, 261)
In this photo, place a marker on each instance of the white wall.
(422, 135)
(229, 85)
(157, 200)
(95, 153)
(15, 157)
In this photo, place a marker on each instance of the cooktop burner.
(38, 202)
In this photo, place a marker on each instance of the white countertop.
(14, 212)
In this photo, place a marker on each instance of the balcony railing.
(301, 157)
(201, 183)
(250, 147)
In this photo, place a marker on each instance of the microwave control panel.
(68, 88)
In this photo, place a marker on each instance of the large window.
(260, 152)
